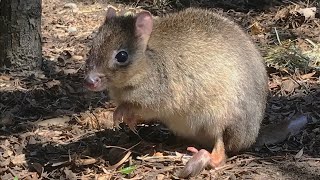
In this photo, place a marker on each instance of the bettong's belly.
(194, 132)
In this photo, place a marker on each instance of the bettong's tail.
(276, 133)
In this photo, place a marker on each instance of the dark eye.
(122, 57)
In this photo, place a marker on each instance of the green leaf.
(16, 178)
(127, 170)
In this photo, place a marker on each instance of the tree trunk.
(20, 35)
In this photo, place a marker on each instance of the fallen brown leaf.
(299, 154)
(58, 121)
(69, 174)
(308, 13)
(289, 85)
(19, 159)
(308, 76)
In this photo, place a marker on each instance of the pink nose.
(92, 81)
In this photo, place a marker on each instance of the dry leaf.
(76, 58)
(103, 176)
(32, 140)
(158, 154)
(160, 177)
(70, 175)
(115, 166)
(84, 162)
(19, 159)
(308, 76)
(70, 71)
(38, 167)
(48, 133)
(6, 118)
(52, 83)
(110, 6)
(299, 154)
(99, 118)
(128, 13)
(4, 78)
(70, 88)
(256, 28)
(59, 163)
(282, 13)
(7, 153)
(308, 13)
(59, 121)
(6, 176)
(70, 5)
(5, 162)
(289, 85)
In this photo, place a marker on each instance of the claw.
(126, 114)
(132, 124)
(133, 129)
(117, 125)
(117, 117)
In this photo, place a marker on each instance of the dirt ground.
(53, 128)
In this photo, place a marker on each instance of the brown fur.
(200, 75)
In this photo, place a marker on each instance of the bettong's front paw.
(127, 113)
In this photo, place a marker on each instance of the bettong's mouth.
(95, 82)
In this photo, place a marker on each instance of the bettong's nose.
(92, 81)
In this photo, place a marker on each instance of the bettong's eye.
(122, 57)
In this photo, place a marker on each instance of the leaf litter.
(53, 128)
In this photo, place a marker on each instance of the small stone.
(71, 6)
(75, 10)
(72, 29)
(316, 130)
(19, 159)
(129, 13)
(77, 58)
(70, 71)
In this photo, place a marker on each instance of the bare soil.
(53, 128)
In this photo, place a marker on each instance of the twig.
(159, 158)
(310, 159)
(115, 166)
(312, 43)
(277, 35)
(126, 149)
(225, 167)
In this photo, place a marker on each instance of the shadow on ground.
(78, 148)
(90, 151)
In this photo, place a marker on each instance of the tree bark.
(20, 35)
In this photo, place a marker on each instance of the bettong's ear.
(111, 12)
(143, 25)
